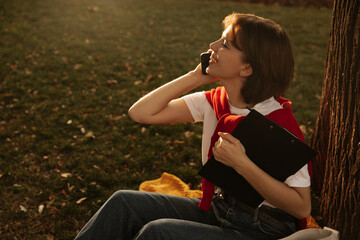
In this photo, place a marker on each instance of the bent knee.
(119, 199)
(157, 229)
(122, 195)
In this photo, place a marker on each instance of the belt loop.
(256, 213)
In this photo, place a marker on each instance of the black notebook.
(271, 147)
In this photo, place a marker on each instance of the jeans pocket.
(226, 224)
(266, 229)
(272, 232)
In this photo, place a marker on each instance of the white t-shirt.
(202, 111)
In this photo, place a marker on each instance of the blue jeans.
(142, 215)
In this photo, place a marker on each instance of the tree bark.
(336, 170)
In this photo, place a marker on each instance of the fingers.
(224, 138)
(219, 143)
(226, 141)
(228, 137)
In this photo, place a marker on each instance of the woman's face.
(226, 60)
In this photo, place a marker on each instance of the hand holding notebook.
(271, 147)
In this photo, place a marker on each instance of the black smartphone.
(204, 59)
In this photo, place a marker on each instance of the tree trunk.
(336, 170)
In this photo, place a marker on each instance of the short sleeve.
(300, 179)
(196, 103)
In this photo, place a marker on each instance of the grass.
(69, 72)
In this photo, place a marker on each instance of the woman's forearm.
(295, 201)
(162, 106)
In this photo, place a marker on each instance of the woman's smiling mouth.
(213, 59)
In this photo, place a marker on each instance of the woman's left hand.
(229, 151)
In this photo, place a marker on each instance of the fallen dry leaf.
(116, 118)
(96, 167)
(22, 208)
(14, 67)
(41, 208)
(66, 175)
(81, 200)
(65, 59)
(149, 78)
(128, 67)
(28, 72)
(77, 66)
(188, 134)
(90, 134)
(112, 81)
(70, 188)
(93, 9)
(303, 129)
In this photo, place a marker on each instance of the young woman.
(254, 63)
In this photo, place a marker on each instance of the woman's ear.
(246, 70)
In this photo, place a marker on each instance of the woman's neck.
(234, 94)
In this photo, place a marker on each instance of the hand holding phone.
(204, 59)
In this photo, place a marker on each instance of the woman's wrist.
(245, 166)
(195, 78)
(200, 79)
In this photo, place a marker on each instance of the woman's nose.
(214, 45)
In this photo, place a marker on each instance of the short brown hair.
(268, 51)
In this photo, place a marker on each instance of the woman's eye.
(224, 43)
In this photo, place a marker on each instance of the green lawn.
(69, 71)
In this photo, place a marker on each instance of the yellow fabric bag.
(170, 184)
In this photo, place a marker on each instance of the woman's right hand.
(204, 79)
